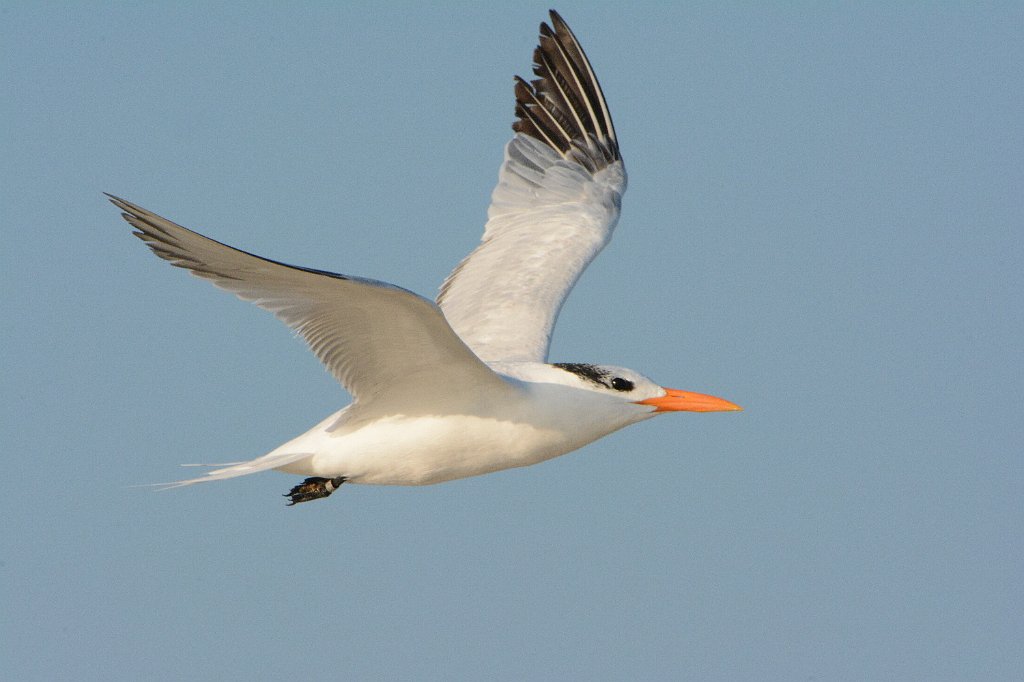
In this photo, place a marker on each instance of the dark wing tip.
(178, 245)
(564, 106)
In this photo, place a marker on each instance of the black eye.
(620, 384)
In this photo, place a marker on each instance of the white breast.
(548, 421)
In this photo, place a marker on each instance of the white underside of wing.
(549, 217)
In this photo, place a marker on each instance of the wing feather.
(554, 208)
(382, 342)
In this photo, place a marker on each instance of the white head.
(634, 387)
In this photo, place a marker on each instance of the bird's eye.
(620, 384)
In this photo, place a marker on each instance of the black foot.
(314, 489)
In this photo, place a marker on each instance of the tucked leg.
(313, 489)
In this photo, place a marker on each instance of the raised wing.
(380, 341)
(554, 208)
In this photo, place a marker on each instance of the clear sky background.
(824, 224)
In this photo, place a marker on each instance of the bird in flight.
(460, 387)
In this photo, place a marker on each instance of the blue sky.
(823, 224)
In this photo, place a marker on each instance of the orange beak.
(676, 401)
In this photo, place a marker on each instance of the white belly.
(544, 421)
(429, 450)
(423, 450)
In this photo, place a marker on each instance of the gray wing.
(382, 342)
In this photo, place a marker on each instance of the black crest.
(596, 375)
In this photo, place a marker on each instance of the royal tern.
(461, 387)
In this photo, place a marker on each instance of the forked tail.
(234, 469)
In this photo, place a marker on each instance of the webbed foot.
(313, 489)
